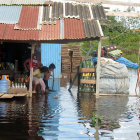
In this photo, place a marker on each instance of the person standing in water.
(47, 76)
(37, 78)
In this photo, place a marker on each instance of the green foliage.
(96, 119)
(120, 35)
(131, 57)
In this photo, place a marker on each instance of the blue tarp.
(123, 60)
(127, 62)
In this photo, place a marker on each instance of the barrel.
(4, 85)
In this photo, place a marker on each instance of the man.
(27, 66)
(47, 76)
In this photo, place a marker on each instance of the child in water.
(47, 76)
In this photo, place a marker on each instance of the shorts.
(46, 83)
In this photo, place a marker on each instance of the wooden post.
(16, 66)
(96, 134)
(138, 56)
(78, 71)
(31, 71)
(98, 68)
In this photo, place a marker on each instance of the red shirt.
(28, 65)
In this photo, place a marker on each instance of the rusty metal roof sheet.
(2, 29)
(67, 29)
(9, 14)
(50, 32)
(82, 23)
(73, 29)
(28, 18)
(22, 35)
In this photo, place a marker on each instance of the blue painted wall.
(51, 53)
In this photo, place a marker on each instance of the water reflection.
(16, 123)
(61, 115)
(132, 74)
(86, 103)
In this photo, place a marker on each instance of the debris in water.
(55, 97)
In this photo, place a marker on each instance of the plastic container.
(4, 85)
(7, 78)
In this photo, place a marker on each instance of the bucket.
(4, 85)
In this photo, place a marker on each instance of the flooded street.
(62, 115)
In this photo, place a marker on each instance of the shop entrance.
(12, 58)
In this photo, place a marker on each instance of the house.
(30, 23)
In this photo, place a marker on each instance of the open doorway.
(12, 58)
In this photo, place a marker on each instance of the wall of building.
(51, 53)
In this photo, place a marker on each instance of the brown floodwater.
(63, 115)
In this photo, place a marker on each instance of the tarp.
(127, 62)
(114, 78)
(113, 71)
(114, 86)
(123, 60)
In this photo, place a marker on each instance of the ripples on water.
(62, 115)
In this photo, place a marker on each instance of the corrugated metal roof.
(2, 29)
(73, 29)
(52, 12)
(11, 34)
(91, 29)
(9, 14)
(70, 29)
(28, 18)
(59, 10)
(98, 12)
(64, 28)
(71, 10)
(22, 2)
(50, 32)
(61, 29)
(83, 11)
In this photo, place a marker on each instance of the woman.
(38, 74)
